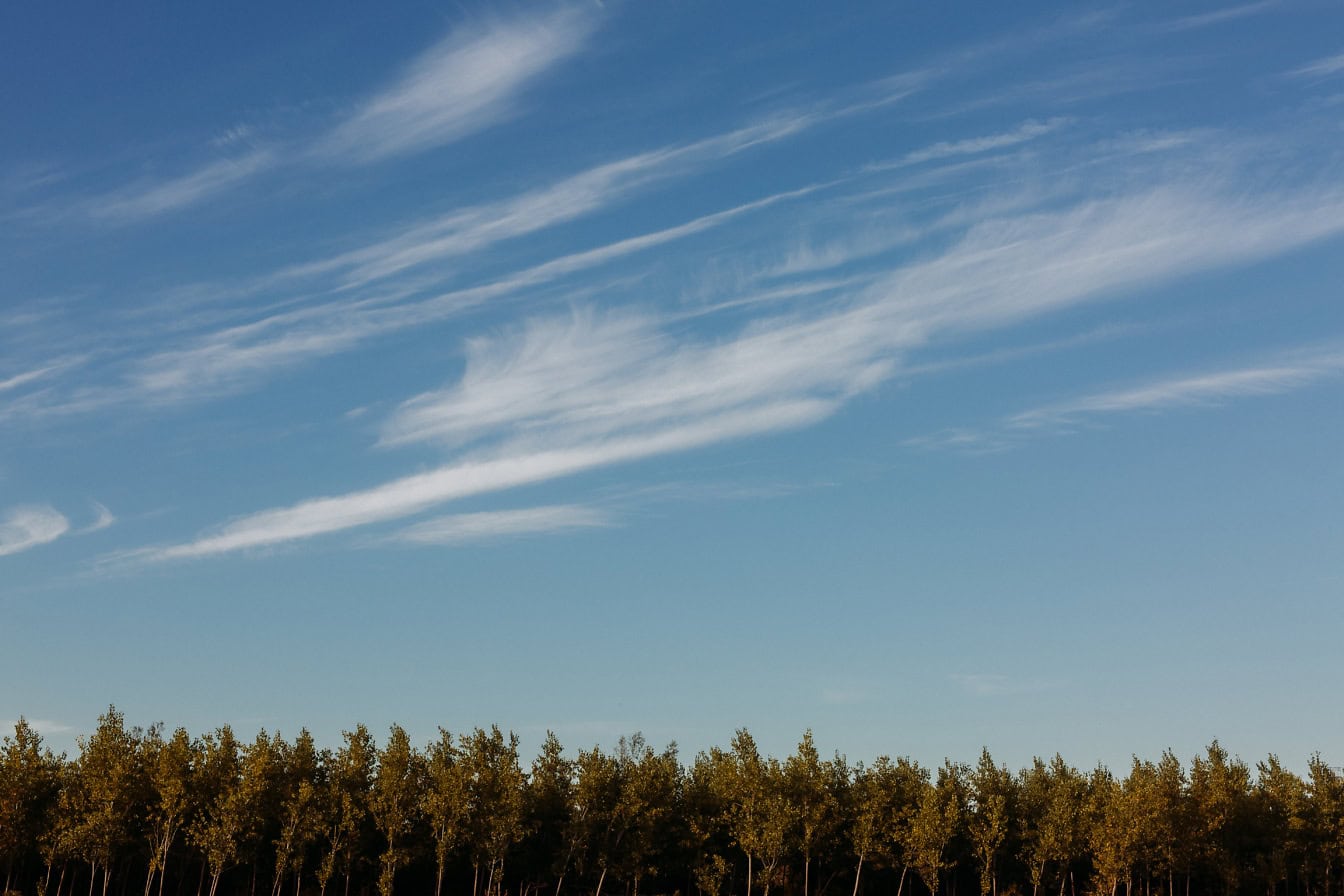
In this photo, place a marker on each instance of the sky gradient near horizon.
(931, 379)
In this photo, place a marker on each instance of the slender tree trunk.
(601, 878)
(748, 875)
(214, 882)
(438, 881)
(901, 886)
(475, 876)
(807, 868)
(559, 882)
(858, 871)
(93, 876)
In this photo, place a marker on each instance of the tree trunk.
(807, 868)
(748, 875)
(602, 877)
(858, 871)
(559, 882)
(901, 886)
(438, 881)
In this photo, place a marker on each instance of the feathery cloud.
(30, 525)
(497, 524)
(1188, 391)
(148, 199)
(560, 396)
(1321, 68)
(467, 82)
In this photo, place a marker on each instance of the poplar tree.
(346, 805)
(443, 802)
(495, 794)
(1219, 789)
(393, 802)
(103, 794)
(170, 766)
(550, 789)
(939, 819)
(811, 790)
(219, 827)
(991, 797)
(29, 790)
(300, 809)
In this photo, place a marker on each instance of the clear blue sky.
(930, 377)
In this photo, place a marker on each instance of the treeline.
(168, 813)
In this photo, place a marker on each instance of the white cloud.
(413, 494)
(497, 524)
(1218, 16)
(1321, 68)
(559, 396)
(149, 199)
(104, 518)
(22, 379)
(1025, 132)
(236, 356)
(467, 82)
(1290, 372)
(28, 526)
(1187, 391)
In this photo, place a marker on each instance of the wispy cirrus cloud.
(1217, 16)
(1204, 389)
(1321, 68)
(1287, 373)
(1024, 133)
(30, 525)
(562, 395)
(103, 519)
(493, 525)
(469, 81)
(150, 198)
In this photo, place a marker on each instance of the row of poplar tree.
(177, 814)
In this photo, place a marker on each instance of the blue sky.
(930, 378)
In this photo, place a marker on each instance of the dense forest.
(179, 815)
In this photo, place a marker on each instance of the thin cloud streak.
(231, 358)
(562, 396)
(1290, 372)
(1026, 132)
(29, 526)
(1188, 391)
(1217, 16)
(104, 519)
(413, 494)
(494, 525)
(147, 200)
(468, 82)
(1321, 68)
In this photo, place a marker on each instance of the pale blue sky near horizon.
(930, 377)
